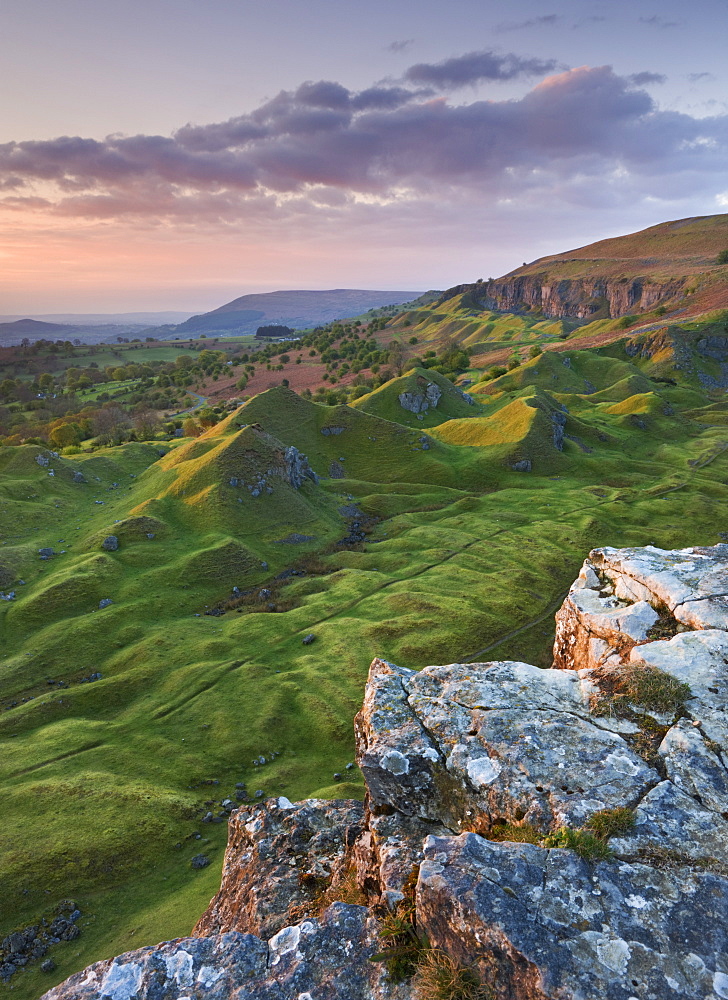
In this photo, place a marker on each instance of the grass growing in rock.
(439, 977)
(588, 846)
(590, 843)
(104, 781)
(639, 685)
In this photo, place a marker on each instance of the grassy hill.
(105, 782)
(451, 537)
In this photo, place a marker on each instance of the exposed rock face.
(297, 468)
(323, 958)
(576, 298)
(420, 402)
(450, 755)
(274, 856)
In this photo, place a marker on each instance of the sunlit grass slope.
(103, 782)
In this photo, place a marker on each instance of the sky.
(175, 155)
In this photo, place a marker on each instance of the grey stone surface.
(545, 924)
(297, 468)
(499, 741)
(325, 958)
(279, 857)
(692, 582)
(110, 543)
(669, 820)
(420, 402)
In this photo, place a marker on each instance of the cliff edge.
(560, 833)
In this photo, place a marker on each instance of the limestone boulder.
(543, 923)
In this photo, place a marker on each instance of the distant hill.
(673, 263)
(298, 309)
(34, 329)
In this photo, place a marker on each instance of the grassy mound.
(105, 782)
(386, 401)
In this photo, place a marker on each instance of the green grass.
(468, 560)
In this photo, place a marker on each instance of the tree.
(207, 416)
(535, 350)
(146, 424)
(190, 428)
(111, 424)
(396, 355)
(722, 257)
(66, 435)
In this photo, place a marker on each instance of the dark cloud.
(400, 46)
(461, 71)
(645, 78)
(321, 151)
(658, 21)
(695, 77)
(543, 21)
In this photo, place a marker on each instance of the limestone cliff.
(562, 832)
(577, 298)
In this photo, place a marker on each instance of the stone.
(668, 820)
(110, 543)
(262, 891)
(42, 460)
(200, 861)
(297, 468)
(420, 402)
(559, 926)
(46, 553)
(504, 741)
(48, 966)
(522, 465)
(78, 477)
(558, 420)
(105, 602)
(308, 639)
(328, 957)
(692, 583)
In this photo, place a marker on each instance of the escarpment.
(577, 298)
(562, 832)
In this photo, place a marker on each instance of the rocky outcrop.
(297, 468)
(420, 402)
(557, 830)
(575, 298)
(277, 860)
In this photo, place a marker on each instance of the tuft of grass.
(641, 685)
(588, 846)
(440, 977)
(517, 833)
(654, 689)
(611, 822)
(404, 944)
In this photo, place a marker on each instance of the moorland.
(188, 616)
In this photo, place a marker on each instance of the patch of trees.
(273, 331)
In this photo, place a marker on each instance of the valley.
(428, 501)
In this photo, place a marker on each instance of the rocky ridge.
(563, 832)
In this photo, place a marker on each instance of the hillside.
(126, 724)
(673, 264)
(298, 309)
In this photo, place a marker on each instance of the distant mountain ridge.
(298, 308)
